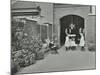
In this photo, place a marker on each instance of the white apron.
(67, 42)
(82, 42)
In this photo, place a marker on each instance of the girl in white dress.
(82, 42)
(67, 40)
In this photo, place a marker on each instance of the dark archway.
(65, 21)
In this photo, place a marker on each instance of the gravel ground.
(64, 61)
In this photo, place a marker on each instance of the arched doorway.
(65, 21)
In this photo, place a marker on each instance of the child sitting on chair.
(73, 44)
(53, 47)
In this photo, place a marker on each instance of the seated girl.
(53, 47)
